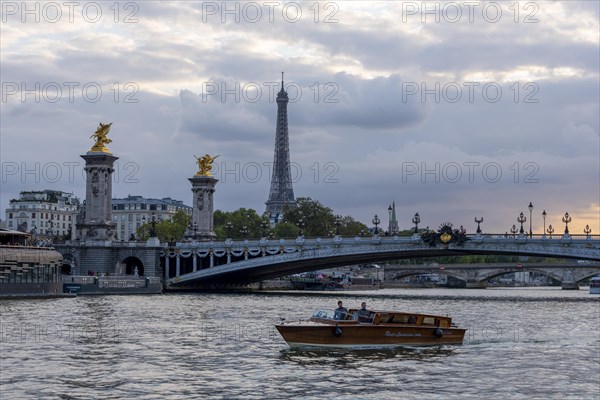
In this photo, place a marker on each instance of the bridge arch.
(308, 255)
(69, 264)
(131, 263)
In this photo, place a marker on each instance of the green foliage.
(318, 220)
(285, 230)
(166, 230)
(240, 218)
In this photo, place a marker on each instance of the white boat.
(595, 285)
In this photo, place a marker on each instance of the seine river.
(537, 343)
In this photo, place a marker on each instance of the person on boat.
(341, 312)
(364, 315)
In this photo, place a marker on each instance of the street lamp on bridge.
(530, 207)
(229, 229)
(478, 221)
(244, 231)
(264, 225)
(376, 221)
(338, 222)
(513, 230)
(301, 224)
(544, 217)
(550, 230)
(566, 219)
(521, 218)
(152, 224)
(416, 219)
(587, 231)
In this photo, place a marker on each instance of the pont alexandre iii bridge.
(196, 265)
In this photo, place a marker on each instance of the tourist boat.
(314, 281)
(328, 329)
(595, 285)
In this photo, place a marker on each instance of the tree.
(166, 230)
(285, 230)
(238, 219)
(318, 220)
(350, 227)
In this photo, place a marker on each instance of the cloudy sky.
(454, 110)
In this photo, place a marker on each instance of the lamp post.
(550, 230)
(478, 221)
(153, 225)
(337, 223)
(301, 224)
(587, 231)
(530, 207)
(544, 217)
(264, 226)
(416, 219)
(566, 219)
(376, 221)
(521, 218)
(244, 231)
(195, 227)
(513, 230)
(229, 229)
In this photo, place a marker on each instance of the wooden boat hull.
(342, 335)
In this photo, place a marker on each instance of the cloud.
(355, 128)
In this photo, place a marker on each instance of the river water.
(535, 343)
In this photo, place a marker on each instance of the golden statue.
(101, 139)
(205, 165)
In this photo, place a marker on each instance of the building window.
(10, 215)
(32, 215)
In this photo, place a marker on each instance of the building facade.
(131, 212)
(46, 213)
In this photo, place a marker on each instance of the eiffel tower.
(282, 192)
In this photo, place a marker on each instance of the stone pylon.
(97, 222)
(202, 226)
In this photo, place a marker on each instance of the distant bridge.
(475, 275)
(202, 264)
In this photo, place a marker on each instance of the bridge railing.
(348, 240)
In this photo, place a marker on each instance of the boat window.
(428, 320)
(401, 319)
(444, 323)
(323, 314)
